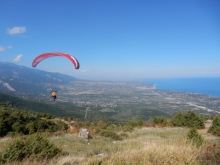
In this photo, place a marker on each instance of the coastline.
(205, 86)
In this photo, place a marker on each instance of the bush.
(101, 124)
(140, 123)
(215, 128)
(62, 126)
(160, 120)
(189, 119)
(111, 135)
(195, 137)
(194, 120)
(24, 122)
(178, 120)
(124, 135)
(35, 147)
(127, 128)
(14, 152)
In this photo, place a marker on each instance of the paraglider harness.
(54, 95)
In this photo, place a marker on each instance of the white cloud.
(16, 30)
(2, 49)
(18, 58)
(9, 47)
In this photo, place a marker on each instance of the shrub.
(48, 116)
(160, 120)
(140, 123)
(111, 135)
(189, 119)
(215, 128)
(19, 128)
(195, 137)
(127, 128)
(124, 135)
(62, 126)
(24, 122)
(31, 127)
(35, 146)
(194, 120)
(14, 152)
(178, 120)
(101, 124)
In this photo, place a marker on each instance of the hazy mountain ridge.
(21, 79)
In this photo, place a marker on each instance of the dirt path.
(71, 128)
(205, 130)
(205, 134)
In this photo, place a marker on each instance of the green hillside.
(37, 106)
(59, 109)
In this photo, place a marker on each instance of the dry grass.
(4, 142)
(151, 146)
(146, 146)
(155, 153)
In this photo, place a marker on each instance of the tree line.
(18, 121)
(189, 119)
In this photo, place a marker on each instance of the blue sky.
(114, 39)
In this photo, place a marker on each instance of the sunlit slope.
(69, 110)
(38, 106)
(20, 79)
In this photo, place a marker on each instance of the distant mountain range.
(18, 79)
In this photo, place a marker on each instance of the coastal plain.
(135, 99)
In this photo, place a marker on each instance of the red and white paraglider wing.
(41, 57)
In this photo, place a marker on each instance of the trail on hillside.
(71, 128)
(205, 134)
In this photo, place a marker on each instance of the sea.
(201, 85)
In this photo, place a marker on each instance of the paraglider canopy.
(43, 56)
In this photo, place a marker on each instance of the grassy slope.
(153, 146)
